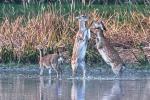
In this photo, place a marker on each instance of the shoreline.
(103, 72)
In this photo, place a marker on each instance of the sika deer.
(108, 53)
(50, 61)
(80, 46)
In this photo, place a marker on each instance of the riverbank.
(95, 71)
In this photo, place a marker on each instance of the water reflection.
(78, 89)
(79, 86)
(49, 87)
(115, 93)
(19, 87)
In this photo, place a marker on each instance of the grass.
(23, 28)
(32, 10)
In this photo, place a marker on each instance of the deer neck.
(100, 34)
(82, 25)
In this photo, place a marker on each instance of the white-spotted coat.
(80, 46)
(108, 53)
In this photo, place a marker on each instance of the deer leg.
(41, 69)
(83, 68)
(50, 71)
(74, 68)
(54, 67)
(60, 70)
(117, 70)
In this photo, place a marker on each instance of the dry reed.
(53, 30)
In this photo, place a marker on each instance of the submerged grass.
(54, 26)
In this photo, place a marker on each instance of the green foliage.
(32, 10)
(15, 10)
(93, 56)
(69, 48)
(7, 54)
(29, 56)
(142, 58)
(49, 50)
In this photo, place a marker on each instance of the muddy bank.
(92, 71)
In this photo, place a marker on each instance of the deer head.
(98, 25)
(82, 18)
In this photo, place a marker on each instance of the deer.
(106, 50)
(80, 46)
(50, 61)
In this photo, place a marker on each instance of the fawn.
(51, 61)
(108, 53)
(80, 46)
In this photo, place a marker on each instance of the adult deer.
(80, 45)
(108, 53)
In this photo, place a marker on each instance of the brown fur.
(50, 61)
(80, 46)
(108, 53)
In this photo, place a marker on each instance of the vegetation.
(53, 26)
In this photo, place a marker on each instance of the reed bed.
(52, 29)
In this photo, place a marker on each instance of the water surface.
(34, 87)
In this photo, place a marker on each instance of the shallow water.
(34, 87)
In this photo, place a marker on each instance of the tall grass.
(52, 28)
